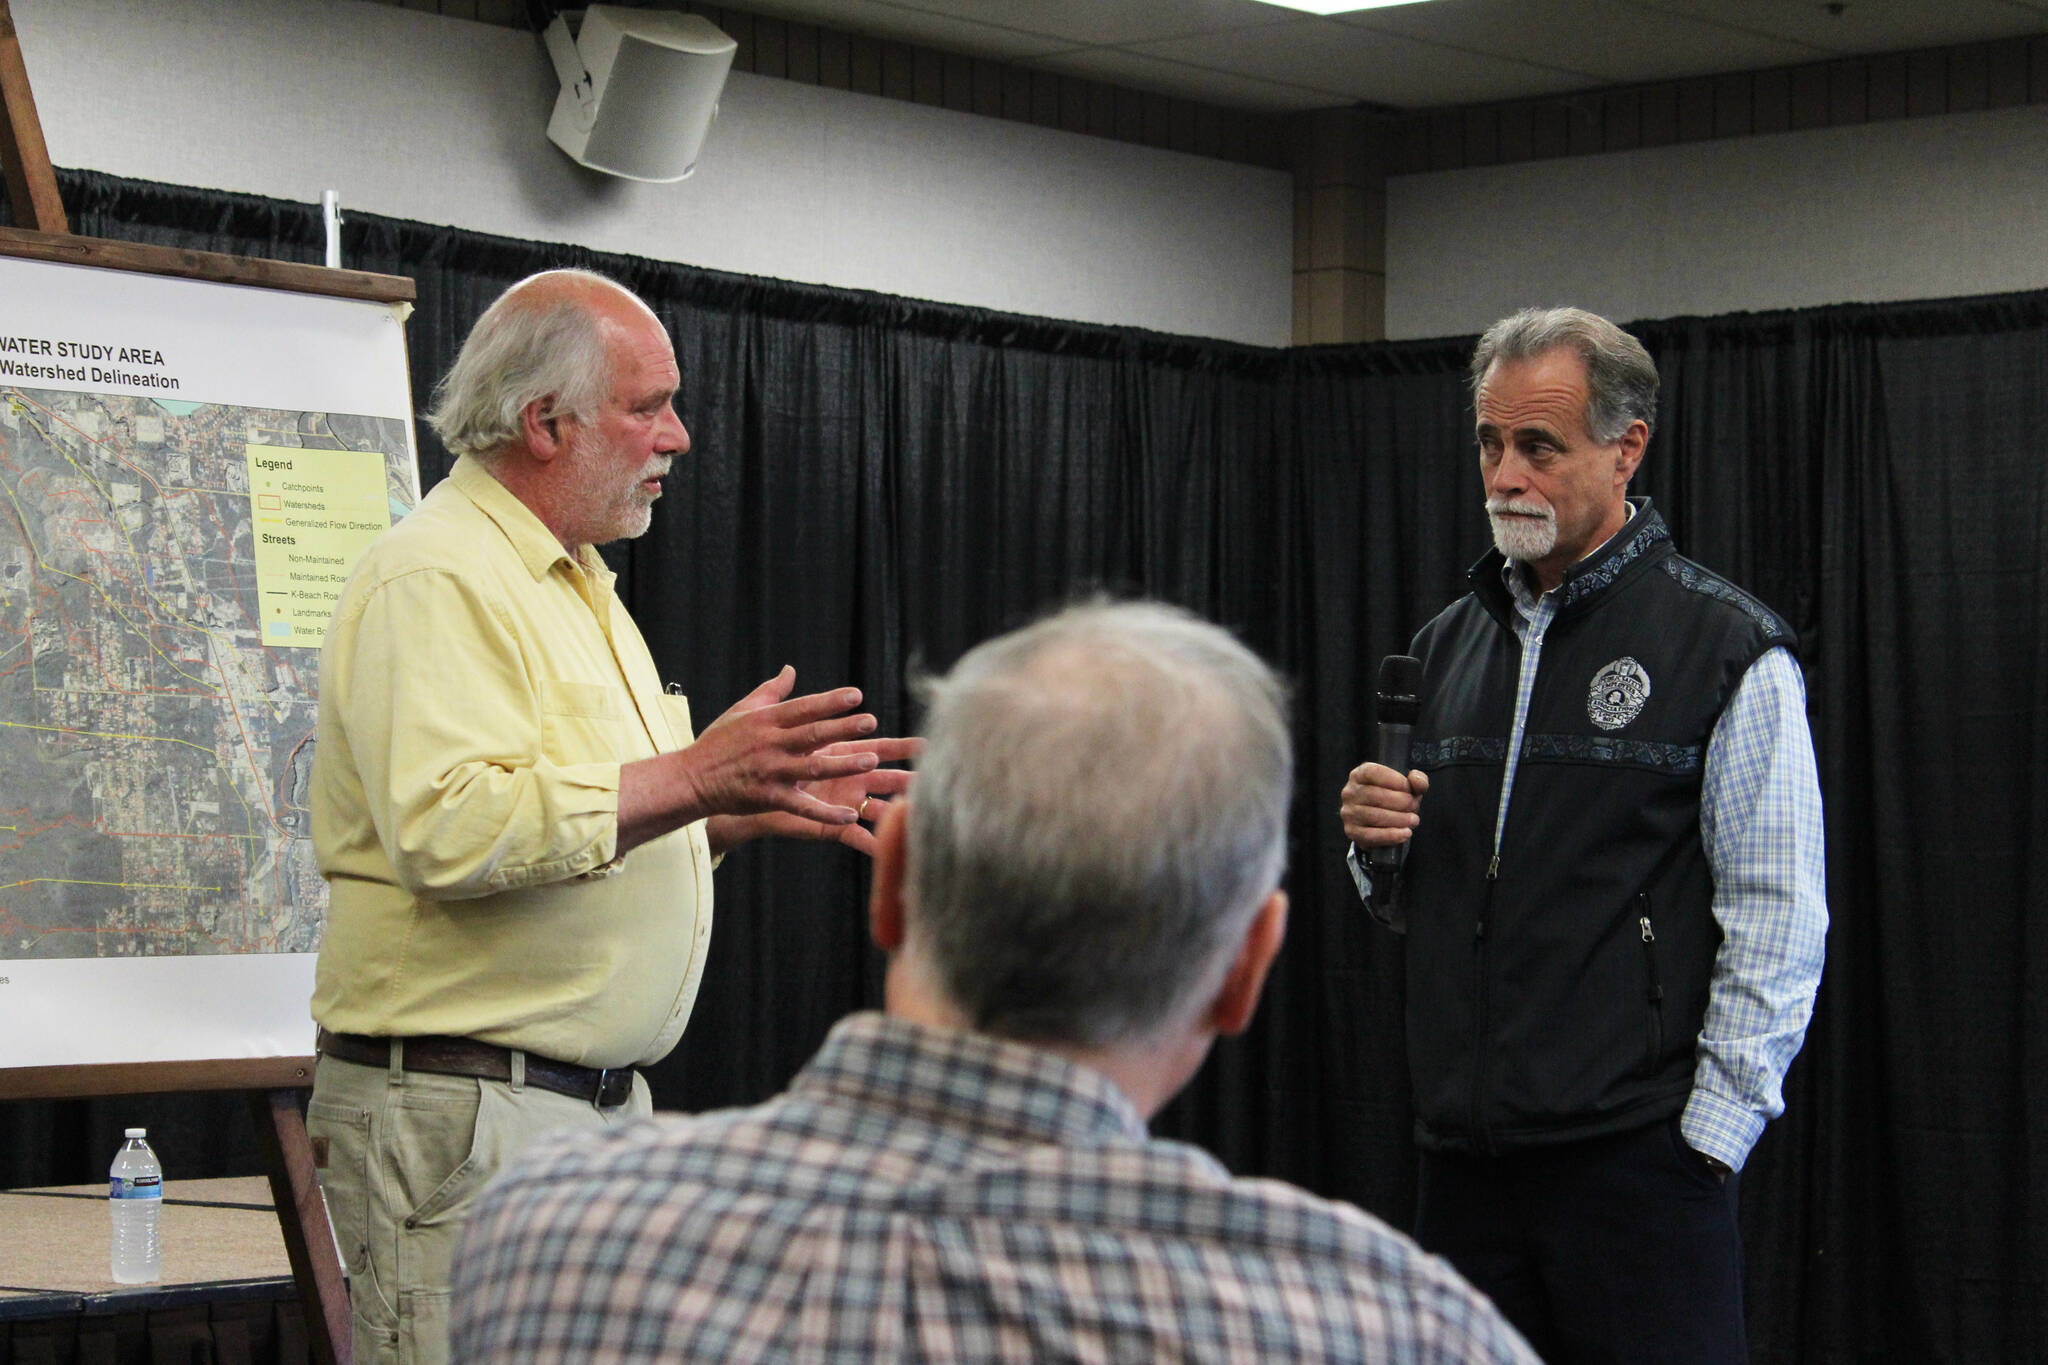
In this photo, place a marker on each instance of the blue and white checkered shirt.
(930, 1195)
(1760, 822)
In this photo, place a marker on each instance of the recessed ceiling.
(1246, 55)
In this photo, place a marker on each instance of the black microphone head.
(1400, 681)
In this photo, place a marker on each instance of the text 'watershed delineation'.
(96, 362)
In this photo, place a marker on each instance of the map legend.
(312, 513)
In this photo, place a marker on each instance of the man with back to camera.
(516, 823)
(1614, 895)
(1080, 896)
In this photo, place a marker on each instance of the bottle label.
(142, 1187)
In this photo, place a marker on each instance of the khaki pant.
(407, 1154)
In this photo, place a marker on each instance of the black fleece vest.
(1556, 993)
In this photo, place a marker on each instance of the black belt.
(605, 1087)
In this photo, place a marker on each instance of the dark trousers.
(1619, 1249)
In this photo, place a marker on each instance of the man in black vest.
(1615, 906)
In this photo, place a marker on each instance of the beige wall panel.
(1909, 209)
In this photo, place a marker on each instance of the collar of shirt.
(531, 539)
(1521, 583)
(1005, 1090)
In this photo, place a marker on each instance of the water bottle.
(135, 1191)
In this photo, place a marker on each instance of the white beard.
(1526, 538)
(607, 509)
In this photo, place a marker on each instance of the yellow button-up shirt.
(479, 689)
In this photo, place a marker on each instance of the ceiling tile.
(1868, 26)
(1609, 41)
(905, 24)
(1360, 64)
(1135, 71)
(1046, 24)
(1089, 23)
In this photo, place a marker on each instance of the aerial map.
(166, 573)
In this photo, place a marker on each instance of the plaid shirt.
(928, 1195)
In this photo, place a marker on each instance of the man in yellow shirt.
(516, 823)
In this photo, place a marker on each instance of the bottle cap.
(137, 1132)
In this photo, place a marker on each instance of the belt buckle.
(607, 1077)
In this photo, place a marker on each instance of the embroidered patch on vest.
(1619, 691)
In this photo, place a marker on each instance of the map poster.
(174, 455)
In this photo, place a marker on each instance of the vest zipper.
(1482, 1008)
(1656, 995)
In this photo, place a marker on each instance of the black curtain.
(879, 483)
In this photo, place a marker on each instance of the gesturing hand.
(763, 755)
(866, 793)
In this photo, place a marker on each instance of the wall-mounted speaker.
(639, 89)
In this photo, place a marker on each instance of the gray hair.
(1621, 379)
(1101, 806)
(538, 340)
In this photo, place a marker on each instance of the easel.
(273, 1084)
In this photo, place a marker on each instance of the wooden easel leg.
(308, 1238)
(25, 159)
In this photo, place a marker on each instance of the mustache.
(1516, 507)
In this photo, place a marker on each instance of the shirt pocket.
(582, 722)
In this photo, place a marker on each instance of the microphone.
(1400, 680)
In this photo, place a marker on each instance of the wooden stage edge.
(151, 1078)
(292, 276)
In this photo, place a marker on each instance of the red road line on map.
(58, 823)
